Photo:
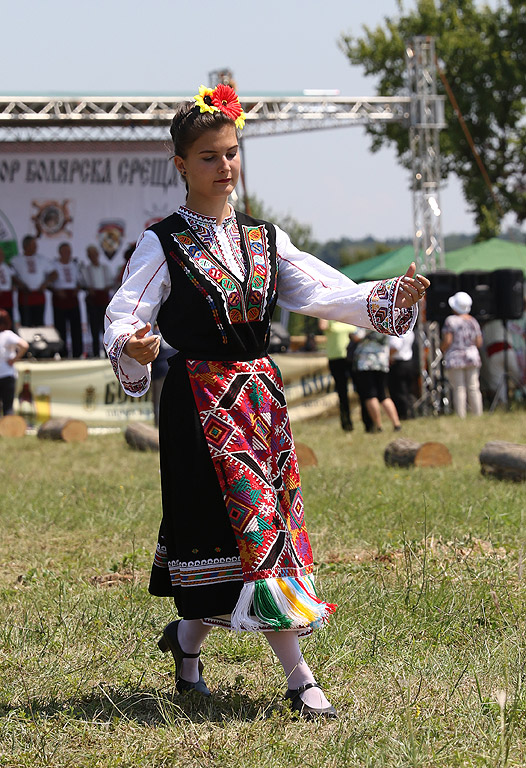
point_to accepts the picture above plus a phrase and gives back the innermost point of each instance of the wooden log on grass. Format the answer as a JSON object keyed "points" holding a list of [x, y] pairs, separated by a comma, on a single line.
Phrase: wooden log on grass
{"points": [[506, 461], [12, 425], [306, 456], [142, 437], [408, 453], [68, 430]]}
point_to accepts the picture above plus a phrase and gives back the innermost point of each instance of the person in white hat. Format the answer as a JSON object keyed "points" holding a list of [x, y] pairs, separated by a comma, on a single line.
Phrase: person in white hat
{"points": [[461, 341]]}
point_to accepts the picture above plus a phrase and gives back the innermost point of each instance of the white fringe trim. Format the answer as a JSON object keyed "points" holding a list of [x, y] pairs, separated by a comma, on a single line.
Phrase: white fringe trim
{"points": [[241, 618]]}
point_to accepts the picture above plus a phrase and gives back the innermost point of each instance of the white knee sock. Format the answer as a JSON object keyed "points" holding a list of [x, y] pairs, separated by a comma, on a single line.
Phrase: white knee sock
{"points": [[285, 645], [191, 634]]}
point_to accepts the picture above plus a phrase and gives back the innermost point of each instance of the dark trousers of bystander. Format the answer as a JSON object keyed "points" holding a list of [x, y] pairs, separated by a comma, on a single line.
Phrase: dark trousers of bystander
{"points": [[71, 317], [7, 395], [95, 314], [339, 368], [31, 316], [399, 382]]}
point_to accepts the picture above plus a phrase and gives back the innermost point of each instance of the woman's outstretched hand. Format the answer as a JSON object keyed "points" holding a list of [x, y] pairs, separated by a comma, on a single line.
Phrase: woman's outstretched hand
{"points": [[412, 288], [141, 347]]}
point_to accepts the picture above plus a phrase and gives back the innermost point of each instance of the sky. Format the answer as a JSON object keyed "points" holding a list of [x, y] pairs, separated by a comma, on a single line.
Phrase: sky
{"points": [[328, 179]]}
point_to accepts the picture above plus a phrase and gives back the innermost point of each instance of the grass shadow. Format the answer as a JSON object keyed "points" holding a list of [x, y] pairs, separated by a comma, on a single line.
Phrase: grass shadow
{"points": [[151, 707]]}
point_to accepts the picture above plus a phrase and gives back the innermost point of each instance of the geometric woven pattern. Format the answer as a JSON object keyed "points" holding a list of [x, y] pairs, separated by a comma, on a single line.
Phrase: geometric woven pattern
{"points": [[244, 418]]}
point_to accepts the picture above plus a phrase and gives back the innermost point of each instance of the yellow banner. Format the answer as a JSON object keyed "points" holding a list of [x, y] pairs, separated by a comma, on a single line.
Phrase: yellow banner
{"points": [[88, 389]]}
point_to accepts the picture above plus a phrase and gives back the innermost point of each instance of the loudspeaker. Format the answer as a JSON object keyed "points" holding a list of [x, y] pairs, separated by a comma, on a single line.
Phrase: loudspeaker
{"points": [[44, 341], [478, 284], [443, 285], [508, 289]]}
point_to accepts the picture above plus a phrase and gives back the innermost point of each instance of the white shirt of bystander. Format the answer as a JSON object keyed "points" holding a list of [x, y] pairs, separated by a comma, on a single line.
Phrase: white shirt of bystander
{"points": [[9, 342], [32, 270]]}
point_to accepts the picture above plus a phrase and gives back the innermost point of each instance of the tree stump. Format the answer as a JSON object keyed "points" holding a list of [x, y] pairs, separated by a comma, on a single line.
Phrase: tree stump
{"points": [[142, 437], [306, 456], [401, 452], [68, 430], [506, 461], [407, 453], [12, 425]]}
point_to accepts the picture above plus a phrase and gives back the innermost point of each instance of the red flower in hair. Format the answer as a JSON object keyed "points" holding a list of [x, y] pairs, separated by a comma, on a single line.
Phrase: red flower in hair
{"points": [[225, 98]]}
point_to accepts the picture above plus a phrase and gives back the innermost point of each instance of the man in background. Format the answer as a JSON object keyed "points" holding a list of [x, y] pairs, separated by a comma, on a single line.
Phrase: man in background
{"points": [[34, 274], [96, 280], [66, 309]]}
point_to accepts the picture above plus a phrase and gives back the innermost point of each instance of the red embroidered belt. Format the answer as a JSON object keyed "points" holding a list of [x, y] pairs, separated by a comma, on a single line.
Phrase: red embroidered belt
{"points": [[497, 346], [31, 298], [67, 299]]}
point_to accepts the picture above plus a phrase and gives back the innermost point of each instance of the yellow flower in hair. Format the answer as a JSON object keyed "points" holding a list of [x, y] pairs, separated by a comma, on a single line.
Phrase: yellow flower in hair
{"points": [[200, 99], [240, 121]]}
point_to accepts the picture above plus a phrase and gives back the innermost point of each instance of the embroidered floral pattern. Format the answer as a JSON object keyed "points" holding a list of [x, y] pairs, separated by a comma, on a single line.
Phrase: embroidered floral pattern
{"points": [[215, 272], [382, 311], [161, 558], [244, 301], [206, 228], [114, 354], [255, 239], [203, 292], [115, 351], [197, 573]]}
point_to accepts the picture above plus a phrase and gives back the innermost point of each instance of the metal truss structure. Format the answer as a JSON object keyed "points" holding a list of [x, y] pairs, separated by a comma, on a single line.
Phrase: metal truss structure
{"points": [[106, 118], [145, 119], [427, 119]]}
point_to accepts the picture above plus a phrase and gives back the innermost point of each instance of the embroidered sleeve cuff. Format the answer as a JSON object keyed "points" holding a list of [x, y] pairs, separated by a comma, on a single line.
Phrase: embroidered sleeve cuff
{"points": [[133, 377], [383, 314]]}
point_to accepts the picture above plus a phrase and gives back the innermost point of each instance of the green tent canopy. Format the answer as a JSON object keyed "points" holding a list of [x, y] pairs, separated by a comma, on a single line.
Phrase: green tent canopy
{"points": [[486, 256], [379, 267]]}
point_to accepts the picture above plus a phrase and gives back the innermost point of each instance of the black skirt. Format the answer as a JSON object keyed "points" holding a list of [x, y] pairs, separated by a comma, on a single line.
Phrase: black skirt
{"points": [[197, 560]]}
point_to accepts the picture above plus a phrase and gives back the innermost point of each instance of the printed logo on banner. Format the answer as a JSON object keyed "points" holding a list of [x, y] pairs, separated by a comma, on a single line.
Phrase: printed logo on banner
{"points": [[8, 242], [52, 217], [110, 236]]}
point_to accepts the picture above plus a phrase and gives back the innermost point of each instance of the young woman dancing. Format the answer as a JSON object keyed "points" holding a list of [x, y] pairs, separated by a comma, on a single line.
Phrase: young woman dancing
{"points": [[233, 550]]}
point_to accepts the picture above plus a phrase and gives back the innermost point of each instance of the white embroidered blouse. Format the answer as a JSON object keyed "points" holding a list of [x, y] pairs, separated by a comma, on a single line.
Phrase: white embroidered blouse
{"points": [[305, 285]]}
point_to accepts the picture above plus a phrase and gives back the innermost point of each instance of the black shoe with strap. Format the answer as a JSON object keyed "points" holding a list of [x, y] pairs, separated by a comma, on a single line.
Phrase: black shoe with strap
{"points": [[304, 710], [169, 642]]}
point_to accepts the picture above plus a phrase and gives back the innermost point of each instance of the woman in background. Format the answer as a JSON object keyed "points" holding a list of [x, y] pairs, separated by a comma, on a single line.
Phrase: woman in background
{"points": [[461, 341], [12, 349]]}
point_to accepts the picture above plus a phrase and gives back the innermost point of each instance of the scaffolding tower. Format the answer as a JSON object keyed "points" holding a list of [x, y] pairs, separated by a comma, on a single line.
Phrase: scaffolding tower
{"points": [[427, 119]]}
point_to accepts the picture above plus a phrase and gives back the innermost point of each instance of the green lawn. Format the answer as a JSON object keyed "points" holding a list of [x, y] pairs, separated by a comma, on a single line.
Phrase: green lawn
{"points": [[424, 658]]}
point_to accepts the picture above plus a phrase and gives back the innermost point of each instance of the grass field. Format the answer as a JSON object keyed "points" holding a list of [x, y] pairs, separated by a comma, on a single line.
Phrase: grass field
{"points": [[424, 659]]}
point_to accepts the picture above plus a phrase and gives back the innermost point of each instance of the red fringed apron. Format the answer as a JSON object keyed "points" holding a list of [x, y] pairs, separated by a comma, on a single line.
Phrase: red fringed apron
{"points": [[244, 417]]}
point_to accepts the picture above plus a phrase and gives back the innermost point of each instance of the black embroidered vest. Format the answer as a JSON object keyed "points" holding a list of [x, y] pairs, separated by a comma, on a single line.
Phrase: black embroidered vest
{"points": [[210, 313]]}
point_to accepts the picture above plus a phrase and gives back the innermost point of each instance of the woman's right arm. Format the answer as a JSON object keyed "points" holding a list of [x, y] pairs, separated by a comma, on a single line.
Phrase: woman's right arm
{"points": [[447, 336], [145, 285]]}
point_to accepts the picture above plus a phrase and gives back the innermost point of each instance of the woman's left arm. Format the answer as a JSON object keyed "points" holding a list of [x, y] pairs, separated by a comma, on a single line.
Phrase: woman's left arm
{"points": [[311, 287], [21, 346]]}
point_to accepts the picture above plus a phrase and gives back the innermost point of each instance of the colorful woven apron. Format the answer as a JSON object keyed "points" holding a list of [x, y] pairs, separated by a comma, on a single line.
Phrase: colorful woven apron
{"points": [[244, 417]]}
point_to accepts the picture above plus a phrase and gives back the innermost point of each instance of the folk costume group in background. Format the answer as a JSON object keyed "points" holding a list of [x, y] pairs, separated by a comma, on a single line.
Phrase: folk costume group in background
{"points": [[233, 549]]}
